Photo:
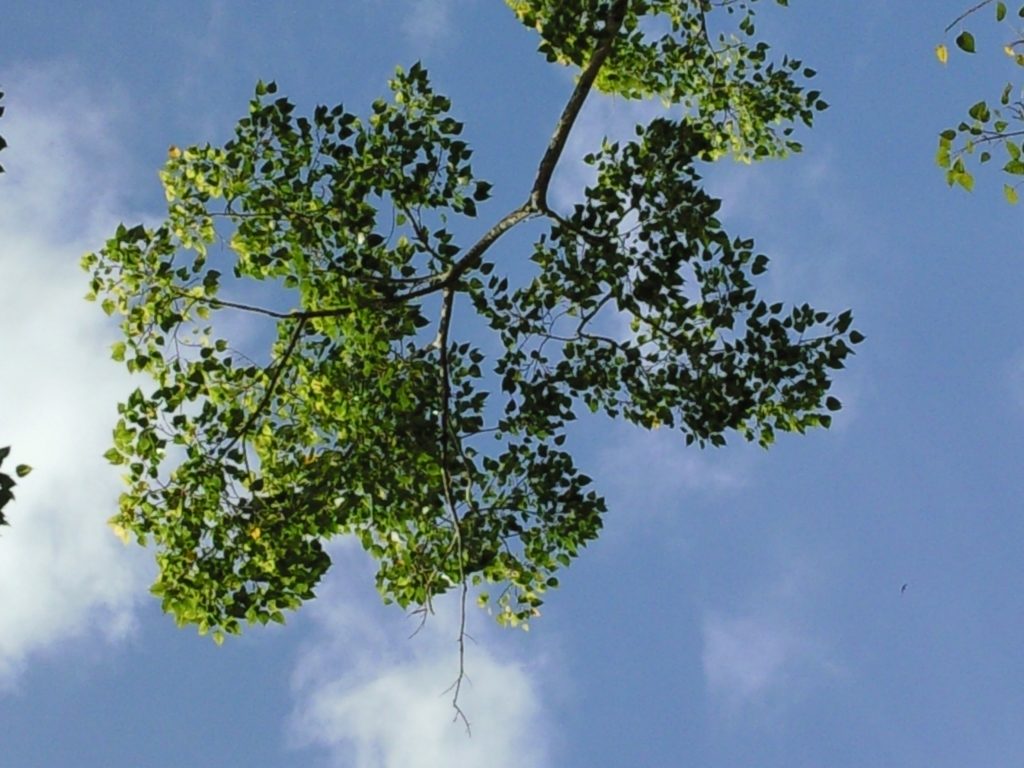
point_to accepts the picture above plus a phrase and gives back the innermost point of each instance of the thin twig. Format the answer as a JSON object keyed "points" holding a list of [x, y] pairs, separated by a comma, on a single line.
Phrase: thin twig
{"points": [[967, 13], [457, 685], [275, 376], [441, 342], [536, 205]]}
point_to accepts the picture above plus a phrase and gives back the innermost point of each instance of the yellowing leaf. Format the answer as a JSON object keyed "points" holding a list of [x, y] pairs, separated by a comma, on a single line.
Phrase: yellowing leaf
{"points": [[942, 53], [173, 152], [255, 534], [121, 532]]}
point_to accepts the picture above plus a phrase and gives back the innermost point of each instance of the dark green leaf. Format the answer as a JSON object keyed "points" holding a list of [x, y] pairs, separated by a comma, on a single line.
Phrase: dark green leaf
{"points": [[965, 41]]}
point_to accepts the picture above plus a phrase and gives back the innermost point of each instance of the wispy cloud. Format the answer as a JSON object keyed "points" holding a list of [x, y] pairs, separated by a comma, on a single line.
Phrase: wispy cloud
{"points": [[428, 22], [653, 469], [61, 571], [762, 656], [745, 658], [376, 698]]}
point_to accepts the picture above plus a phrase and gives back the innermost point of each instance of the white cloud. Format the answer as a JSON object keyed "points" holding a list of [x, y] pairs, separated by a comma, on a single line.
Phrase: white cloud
{"points": [[745, 658], [62, 573], [376, 699], [428, 22], [653, 469], [763, 657]]}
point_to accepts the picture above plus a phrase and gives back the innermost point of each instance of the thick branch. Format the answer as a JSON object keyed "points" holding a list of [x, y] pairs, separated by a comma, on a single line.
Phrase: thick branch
{"points": [[537, 203], [539, 193], [472, 257]]}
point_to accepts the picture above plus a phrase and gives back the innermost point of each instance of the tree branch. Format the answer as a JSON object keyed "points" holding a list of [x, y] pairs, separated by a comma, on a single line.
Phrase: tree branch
{"points": [[539, 193], [537, 203], [474, 254]]}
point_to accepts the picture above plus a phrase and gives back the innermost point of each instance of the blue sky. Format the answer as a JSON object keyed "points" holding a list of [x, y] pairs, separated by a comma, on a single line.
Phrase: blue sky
{"points": [[742, 608]]}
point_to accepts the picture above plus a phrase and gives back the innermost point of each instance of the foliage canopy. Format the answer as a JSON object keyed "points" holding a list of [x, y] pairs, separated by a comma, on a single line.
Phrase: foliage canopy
{"points": [[368, 413]]}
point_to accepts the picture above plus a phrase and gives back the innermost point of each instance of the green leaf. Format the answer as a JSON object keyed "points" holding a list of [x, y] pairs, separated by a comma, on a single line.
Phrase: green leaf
{"points": [[965, 42], [1014, 167], [980, 112], [22, 469], [1000, 11]]}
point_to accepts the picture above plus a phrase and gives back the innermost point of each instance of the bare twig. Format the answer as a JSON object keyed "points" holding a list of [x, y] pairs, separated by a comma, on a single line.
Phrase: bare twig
{"points": [[441, 342], [967, 13], [456, 687]]}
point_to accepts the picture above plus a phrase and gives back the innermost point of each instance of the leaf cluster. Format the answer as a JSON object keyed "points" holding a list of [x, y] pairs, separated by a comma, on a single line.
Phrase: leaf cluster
{"points": [[989, 122], [740, 100], [7, 482]]}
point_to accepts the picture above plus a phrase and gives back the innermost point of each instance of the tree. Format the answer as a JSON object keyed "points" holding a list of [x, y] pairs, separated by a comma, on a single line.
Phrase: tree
{"points": [[367, 412], [990, 122]]}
